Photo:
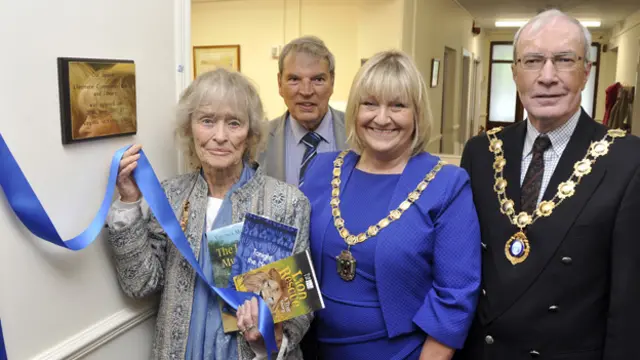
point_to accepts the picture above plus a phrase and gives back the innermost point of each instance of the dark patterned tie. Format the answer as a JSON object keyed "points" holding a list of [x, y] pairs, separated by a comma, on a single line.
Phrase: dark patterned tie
{"points": [[311, 141], [533, 179]]}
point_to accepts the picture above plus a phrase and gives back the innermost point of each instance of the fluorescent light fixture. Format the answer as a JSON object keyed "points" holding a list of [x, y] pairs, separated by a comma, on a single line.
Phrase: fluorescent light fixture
{"points": [[510, 23], [590, 23], [519, 23]]}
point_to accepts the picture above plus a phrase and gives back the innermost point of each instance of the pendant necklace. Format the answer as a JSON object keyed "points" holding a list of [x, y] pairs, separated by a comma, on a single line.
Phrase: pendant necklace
{"points": [[346, 263], [518, 247]]}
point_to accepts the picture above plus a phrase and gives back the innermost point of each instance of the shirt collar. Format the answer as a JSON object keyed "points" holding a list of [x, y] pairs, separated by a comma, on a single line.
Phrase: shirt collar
{"points": [[559, 137], [324, 129]]}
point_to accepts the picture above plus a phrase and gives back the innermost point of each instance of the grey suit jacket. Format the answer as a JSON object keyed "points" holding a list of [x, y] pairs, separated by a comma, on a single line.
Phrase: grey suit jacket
{"points": [[147, 262], [273, 159]]}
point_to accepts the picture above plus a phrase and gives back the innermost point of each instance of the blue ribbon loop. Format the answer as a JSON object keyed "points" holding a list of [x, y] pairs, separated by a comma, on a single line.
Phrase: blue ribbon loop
{"points": [[29, 210]]}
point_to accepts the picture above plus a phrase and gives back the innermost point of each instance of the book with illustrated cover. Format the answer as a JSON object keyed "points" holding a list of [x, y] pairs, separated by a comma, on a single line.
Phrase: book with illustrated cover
{"points": [[223, 245], [262, 241], [288, 286]]}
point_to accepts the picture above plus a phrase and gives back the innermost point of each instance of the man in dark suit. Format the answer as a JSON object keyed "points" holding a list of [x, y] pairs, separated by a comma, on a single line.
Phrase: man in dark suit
{"points": [[558, 197]]}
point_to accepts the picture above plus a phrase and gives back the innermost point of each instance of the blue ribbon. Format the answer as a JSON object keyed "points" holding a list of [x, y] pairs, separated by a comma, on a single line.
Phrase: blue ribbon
{"points": [[3, 350], [29, 210]]}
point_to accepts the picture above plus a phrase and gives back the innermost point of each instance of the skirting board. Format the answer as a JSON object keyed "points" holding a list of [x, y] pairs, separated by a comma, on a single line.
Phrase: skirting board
{"points": [[98, 334]]}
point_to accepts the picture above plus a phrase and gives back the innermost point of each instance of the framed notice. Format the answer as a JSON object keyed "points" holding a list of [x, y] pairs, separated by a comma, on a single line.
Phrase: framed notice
{"points": [[97, 98], [207, 58]]}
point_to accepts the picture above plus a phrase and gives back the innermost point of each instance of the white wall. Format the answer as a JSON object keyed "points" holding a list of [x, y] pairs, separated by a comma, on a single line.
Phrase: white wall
{"points": [[429, 27], [351, 29], [47, 294], [624, 39]]}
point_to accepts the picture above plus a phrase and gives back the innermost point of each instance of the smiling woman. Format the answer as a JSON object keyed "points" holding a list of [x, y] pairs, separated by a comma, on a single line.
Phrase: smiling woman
{"points": [[399, 284], [220, 125]]}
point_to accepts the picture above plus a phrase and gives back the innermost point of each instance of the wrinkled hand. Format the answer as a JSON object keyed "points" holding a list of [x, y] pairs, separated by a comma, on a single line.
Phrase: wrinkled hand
{"points": [[247, 315], [127, 187]]}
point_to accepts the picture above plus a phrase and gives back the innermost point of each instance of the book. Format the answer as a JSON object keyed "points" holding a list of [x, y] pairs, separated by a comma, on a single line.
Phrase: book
{"points": [[262, 241], [289, 286], [223, 245]]}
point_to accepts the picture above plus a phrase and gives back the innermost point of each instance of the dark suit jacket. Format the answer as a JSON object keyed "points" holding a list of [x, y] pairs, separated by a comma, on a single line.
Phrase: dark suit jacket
{"points": [[577, 296]]}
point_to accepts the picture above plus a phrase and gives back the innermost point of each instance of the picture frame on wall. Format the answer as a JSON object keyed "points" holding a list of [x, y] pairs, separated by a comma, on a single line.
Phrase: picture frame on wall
{"points": [[211, 57], [97, 98], [435, 72]]}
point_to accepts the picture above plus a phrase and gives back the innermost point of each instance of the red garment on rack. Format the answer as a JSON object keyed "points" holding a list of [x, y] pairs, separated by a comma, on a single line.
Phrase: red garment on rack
{"points": [[611, 95]]}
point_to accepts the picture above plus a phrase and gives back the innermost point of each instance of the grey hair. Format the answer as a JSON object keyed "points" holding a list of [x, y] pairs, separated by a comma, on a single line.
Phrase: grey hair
{"points": [[537, 22], [310, 45], [214, 89]]}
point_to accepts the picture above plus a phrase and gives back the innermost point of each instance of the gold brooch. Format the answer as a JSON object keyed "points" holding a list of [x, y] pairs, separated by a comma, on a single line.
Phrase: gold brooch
{"points": [[582, 168], [507, 206], [500, 186], [599, 148], [499, 163], [495, 145], [617, 133], [546, 208], [566, 189]]}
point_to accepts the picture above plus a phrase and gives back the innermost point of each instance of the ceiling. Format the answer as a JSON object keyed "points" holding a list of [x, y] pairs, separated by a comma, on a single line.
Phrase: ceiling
{"points": [[609, 12]]}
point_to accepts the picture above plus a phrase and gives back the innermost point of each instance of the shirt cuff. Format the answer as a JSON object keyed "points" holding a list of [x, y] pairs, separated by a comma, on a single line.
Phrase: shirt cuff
{"points": [[261, 354]]}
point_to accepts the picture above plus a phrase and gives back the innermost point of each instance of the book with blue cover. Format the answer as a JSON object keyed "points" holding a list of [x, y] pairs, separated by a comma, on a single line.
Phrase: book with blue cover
{"points": [[262, 242], [223, 245]]}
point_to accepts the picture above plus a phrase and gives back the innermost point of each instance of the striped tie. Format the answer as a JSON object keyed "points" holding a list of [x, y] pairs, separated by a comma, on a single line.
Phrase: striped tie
{"points": [[530, 191], [311, 141]]}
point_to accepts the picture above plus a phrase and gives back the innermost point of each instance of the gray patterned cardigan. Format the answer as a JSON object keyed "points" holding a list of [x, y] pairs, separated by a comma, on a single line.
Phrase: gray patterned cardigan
{"points": [[147, 262]]}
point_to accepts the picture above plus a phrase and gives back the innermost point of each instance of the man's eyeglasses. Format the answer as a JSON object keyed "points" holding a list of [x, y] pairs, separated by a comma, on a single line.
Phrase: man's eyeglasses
{"points": [[562, 62]]}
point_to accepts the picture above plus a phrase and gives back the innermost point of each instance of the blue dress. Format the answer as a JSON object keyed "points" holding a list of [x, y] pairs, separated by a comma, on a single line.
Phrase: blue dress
{"points": [[352, 324]]}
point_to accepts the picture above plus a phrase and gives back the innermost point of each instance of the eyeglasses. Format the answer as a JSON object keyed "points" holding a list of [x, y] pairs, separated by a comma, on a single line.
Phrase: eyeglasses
{"points": [[562, 62]]}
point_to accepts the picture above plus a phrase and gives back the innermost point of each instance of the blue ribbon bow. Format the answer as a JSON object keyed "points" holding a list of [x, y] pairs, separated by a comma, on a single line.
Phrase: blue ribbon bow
{"points": [[29, 210]]}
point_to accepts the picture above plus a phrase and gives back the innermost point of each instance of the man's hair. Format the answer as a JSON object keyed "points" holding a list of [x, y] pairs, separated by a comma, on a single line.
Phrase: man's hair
{"points": [[310, 45], [539, 21]]}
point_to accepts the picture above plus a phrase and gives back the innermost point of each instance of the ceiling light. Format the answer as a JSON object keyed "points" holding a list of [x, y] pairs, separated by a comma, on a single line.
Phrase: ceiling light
{"points": [[590, 23], [512, 23], [520, 23]]}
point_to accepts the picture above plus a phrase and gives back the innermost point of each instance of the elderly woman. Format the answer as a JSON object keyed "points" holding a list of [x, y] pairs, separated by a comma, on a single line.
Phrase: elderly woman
{"points": [[394, 233], [220, 120]]}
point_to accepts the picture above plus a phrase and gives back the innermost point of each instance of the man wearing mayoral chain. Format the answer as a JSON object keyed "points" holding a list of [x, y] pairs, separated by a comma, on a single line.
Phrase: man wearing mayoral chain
{"points": [[558, 197]]}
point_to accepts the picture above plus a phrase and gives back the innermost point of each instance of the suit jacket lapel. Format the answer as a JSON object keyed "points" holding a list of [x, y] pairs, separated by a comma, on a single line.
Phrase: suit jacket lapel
{"points": [[277, 159], [339, 130], [513, 142], [547, 234]]}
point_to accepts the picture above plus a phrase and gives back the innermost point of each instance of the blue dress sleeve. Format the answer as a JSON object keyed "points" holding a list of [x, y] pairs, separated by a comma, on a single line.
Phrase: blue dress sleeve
{"points": [[449, 307]]}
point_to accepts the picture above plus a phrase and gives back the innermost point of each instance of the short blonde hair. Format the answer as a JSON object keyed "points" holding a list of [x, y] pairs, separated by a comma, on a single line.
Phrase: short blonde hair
{"points": [[217, 88], [390, 76]]}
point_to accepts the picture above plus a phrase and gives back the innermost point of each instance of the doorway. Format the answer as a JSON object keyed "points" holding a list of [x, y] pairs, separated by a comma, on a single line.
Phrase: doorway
{"points": [[466, 121], [447, 122]]}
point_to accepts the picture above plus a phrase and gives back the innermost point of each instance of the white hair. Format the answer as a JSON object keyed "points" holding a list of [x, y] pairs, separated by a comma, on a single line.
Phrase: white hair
{"points": [[537, 22]]}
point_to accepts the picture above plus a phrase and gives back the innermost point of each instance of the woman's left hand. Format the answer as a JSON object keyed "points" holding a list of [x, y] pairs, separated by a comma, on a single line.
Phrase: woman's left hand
{"points": [[247, 315]]}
